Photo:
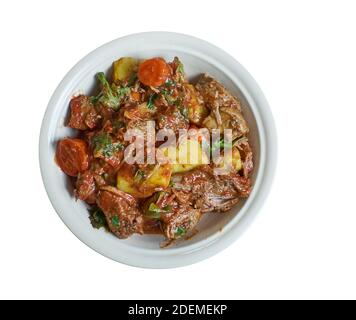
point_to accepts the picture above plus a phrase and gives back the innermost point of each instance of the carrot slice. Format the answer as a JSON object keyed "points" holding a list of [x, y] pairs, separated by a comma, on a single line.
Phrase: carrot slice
{"points": [[72, 156], [153, 72]]}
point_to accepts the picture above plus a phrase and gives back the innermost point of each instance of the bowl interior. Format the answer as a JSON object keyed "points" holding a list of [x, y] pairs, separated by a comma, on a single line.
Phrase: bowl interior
{"points": [[76, 211]]}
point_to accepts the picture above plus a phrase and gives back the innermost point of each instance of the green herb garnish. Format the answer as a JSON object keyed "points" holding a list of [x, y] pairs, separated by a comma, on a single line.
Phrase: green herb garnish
{"points": [[151, 99], [169, 82], [155, 211], [220, 144], [121, 91], [168, 97], [184, 112], [97, 218], [110, 96], [115, 221], [180, 231], [104, 146], [180, 68]]}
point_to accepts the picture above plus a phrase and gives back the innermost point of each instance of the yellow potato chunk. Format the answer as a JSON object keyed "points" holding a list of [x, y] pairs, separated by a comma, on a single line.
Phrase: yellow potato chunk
{"points": [[126, 180], [143, 183], [124, 68], [188, 156], [232, 161], [127, 186], [159, 177]]}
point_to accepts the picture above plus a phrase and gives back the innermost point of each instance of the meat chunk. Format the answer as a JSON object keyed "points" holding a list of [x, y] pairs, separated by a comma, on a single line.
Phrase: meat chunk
{"points": [[106, 147], [121, 212], [83, 115], [246, 157], [208, 192], [134, 111], [225, 109], [175, 217], [173, 119], [181, 220], [104, 174], [215, 94], [85, 187], [142, 127], [241, 184]]}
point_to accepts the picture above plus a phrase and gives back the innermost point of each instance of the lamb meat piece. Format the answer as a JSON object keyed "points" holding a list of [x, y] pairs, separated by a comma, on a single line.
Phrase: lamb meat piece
{"points": [[220, 193], [214, 94], [85, 187], [225, 108], [176, 218], [105, 146], [104, 174], [141, 126], [246, 157], [83, 115], [121, 212], [171, 118], [181, 220], [208, 192]]}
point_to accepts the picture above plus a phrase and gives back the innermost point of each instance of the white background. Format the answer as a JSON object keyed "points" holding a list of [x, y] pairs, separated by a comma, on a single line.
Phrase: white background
{"points": [[303, 242]]}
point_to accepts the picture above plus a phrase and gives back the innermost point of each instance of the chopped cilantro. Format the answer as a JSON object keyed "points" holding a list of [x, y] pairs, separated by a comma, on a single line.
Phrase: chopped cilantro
{"points": [[151, 99], [103, 145], [180, 231], [184, 112], [169, 82], [115, 221], [220, 144], [110, 95], [97, 218], [168, 97]]}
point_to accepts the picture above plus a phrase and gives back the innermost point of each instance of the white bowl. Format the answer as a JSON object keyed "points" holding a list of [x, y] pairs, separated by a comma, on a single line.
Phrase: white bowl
{"points": [[217, 230]]}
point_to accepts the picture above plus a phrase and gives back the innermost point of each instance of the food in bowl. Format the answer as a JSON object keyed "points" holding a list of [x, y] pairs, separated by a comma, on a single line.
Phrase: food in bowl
{"points": [[154, 152]]}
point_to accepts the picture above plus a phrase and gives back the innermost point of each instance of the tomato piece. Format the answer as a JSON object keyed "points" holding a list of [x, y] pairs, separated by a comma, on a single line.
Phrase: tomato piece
{"points": [[153, 72], [72, 156]]}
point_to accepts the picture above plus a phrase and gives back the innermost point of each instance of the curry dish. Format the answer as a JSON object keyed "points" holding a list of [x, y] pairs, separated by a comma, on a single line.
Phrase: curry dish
{"points": [[167, 197]]}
